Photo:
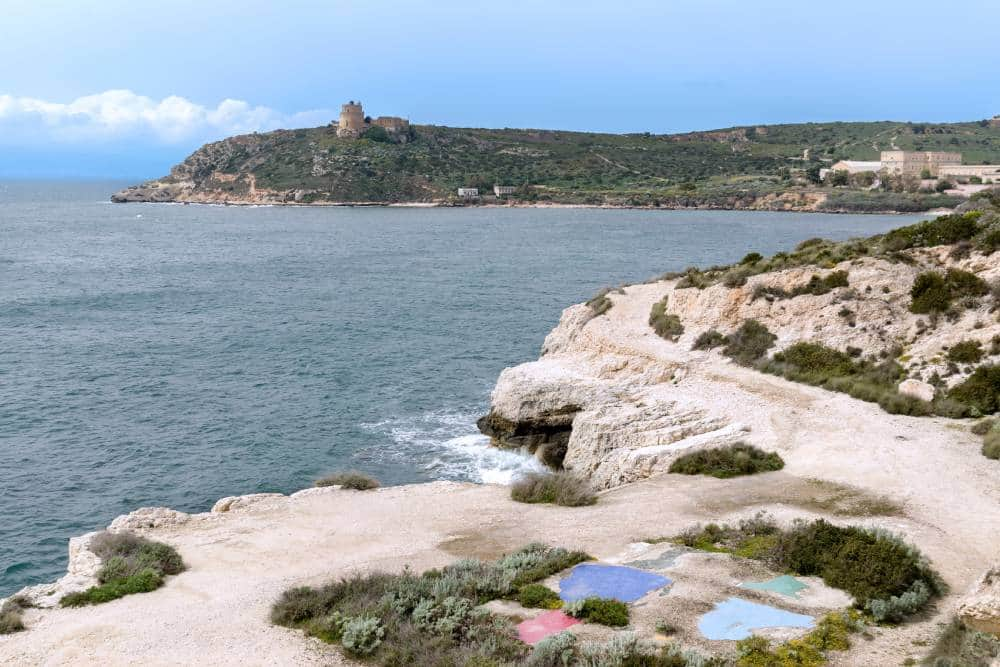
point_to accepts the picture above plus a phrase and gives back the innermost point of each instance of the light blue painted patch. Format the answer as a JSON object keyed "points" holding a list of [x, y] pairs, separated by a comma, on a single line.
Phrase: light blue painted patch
{"points": [[785, 585], [737, 619], [625, 584]]}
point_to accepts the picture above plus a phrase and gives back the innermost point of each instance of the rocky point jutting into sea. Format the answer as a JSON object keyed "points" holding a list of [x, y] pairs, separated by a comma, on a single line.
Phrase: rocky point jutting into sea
{"points": [[864, 368]]}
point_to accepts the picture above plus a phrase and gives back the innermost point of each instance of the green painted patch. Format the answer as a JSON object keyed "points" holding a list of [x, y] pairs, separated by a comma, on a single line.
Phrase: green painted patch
{"points": [[785, 585]]}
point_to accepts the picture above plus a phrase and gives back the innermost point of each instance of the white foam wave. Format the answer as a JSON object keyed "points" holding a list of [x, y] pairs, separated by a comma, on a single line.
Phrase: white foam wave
{"points": [[447, 445]]}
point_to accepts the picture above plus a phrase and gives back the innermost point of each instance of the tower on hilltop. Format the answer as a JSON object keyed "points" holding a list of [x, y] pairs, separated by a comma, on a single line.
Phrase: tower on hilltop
{"points": [[352, 120]]}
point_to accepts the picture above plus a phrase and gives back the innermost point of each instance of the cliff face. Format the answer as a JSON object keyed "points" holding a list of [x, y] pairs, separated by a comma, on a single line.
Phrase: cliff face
{"points": [[626, 403]]}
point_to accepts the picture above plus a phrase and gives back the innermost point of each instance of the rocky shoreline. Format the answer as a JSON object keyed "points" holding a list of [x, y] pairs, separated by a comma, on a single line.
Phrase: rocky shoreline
{"points": [[612, 401]]}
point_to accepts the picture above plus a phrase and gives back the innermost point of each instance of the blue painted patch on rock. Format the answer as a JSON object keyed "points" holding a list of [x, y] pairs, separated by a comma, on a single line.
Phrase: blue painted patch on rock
{"points": [[625, 584], [737, 619], [785, 584]]}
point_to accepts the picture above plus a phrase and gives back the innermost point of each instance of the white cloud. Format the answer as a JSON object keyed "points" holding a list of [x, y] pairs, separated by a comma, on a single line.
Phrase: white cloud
{"points": [[122, 114]]}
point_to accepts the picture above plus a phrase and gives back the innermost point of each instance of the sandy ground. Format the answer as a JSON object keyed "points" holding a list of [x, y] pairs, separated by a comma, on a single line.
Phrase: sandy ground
{"points": [[846, 460]]}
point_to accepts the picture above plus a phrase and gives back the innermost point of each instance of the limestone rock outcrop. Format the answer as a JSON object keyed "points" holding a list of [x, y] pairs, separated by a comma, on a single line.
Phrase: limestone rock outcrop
{"points": [[980, 608]]}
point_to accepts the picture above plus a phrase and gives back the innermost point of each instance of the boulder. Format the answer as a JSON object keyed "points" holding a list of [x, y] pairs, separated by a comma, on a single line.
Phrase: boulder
{"points": [[148, 517], [917, 389]]}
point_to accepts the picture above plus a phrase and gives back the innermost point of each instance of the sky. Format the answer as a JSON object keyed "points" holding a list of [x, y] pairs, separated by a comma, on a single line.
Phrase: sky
{"points": [[118, 88]]}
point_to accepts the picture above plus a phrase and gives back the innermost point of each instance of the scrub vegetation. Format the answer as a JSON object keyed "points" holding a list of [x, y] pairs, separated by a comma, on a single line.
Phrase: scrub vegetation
{"points": [[129, 564], [889, 579], [832, 633], [666, 325], [429, 619], [724, 462], [600, 610], [11, 613], [558, 488], [350, 479]]}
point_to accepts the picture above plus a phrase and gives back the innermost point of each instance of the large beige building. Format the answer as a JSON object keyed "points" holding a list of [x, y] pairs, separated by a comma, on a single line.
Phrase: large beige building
{"points": [[986, 172], [915, 163]]}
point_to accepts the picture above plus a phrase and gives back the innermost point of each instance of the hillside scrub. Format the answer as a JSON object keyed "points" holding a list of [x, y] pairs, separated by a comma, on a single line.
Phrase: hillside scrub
{"points": [[11, 613], [887, 577], [427, 619], [666, 325], [933, 292], [966, 352], [980, 226], [725, 462], [816, 286], [600, 303], [349, 479], [558, 488], [129, 564], [866, 380], [749, 343], [980, 390], [708, 340]]}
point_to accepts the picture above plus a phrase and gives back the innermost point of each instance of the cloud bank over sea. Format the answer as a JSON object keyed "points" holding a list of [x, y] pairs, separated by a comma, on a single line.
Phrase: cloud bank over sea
{"points": [[121, 115]]}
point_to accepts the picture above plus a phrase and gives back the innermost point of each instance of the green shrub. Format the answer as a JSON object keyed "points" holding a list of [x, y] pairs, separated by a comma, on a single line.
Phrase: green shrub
{"points": [[349, 479], [930, 294], [708, 340], [362, 635], [816, 286], [666, 325], [560, 488], [538, 596], [933, 292], [725, 462], [144, 581], [749, 343], [129, 564], [982, 427], [991, 445], [556, 651], [751, 258], [11, 614], [600, 610], [600, 303], [817, 360], [966, 352], [979, 390], [885, 575], [943, 230]]}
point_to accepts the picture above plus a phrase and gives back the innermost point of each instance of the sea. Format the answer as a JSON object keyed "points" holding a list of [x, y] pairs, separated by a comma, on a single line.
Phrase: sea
{"points": [[170, 355]]}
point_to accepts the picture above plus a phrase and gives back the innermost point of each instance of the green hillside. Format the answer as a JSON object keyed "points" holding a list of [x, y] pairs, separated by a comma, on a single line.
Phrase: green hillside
{"points": [[730, 168]]}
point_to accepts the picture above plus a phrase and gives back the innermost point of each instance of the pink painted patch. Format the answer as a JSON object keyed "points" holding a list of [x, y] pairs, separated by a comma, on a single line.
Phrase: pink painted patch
{"points": [[544, 625]]}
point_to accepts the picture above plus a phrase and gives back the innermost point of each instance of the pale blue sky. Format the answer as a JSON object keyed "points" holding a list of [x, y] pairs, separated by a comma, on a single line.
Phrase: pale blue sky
{"points": [[624, 66]]}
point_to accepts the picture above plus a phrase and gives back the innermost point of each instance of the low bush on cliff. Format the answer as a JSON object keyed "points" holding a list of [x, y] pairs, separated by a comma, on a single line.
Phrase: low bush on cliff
{"points": [[350, 479], [816, 286], [724, 462], [980, 390], [863, 379], [666, 325], [708, 340], [428, 619], [934, 292], [11, 613], [966, 352], [958, 645], [749, 344], [600, 303], [129, 564], [991, 445], [559, 488], [886, 576]]}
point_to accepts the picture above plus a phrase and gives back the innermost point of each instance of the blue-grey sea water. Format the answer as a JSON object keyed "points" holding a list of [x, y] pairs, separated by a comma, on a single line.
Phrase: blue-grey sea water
{"points": [[171, 355]]}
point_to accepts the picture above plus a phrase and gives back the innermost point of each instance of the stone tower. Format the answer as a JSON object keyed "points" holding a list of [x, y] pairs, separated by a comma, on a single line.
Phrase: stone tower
{"points": [[352, 120]]}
